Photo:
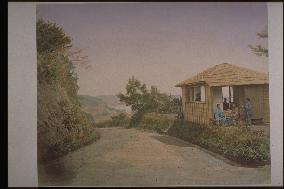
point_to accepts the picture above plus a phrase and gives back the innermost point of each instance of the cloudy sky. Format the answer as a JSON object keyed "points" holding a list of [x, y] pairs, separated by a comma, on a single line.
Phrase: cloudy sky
{"points": [[159, 43]]}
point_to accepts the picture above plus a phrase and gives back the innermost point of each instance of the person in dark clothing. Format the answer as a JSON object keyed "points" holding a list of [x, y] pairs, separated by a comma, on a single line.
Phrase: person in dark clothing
{"points": [[248, 111], [226, 105]]}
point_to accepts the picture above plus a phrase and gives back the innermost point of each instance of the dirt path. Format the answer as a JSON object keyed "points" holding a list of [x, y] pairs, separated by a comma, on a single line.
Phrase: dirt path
{"points": [[129, 157]]}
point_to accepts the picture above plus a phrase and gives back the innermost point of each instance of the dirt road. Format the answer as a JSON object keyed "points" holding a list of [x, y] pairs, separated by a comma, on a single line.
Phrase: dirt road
{"points": [[129, 157]]}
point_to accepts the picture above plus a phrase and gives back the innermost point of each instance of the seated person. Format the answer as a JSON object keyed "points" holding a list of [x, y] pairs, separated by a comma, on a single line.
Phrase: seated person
{"points": [[235, 114], [235, 110], [219, 115]]}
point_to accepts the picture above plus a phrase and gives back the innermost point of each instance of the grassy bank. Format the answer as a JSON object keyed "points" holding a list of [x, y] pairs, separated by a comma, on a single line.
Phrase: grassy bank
{"points": [[235, 143]]}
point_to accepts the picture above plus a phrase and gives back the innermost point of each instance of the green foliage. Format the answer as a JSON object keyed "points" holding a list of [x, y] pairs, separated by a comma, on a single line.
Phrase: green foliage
{"points": [[236, 143], [62, 126], [144, 101], [90, 117], [159, 123], [51, 38], [263, 33], [135, 119], [258, 49], [57, 70], [120, 120], [104, 124]]}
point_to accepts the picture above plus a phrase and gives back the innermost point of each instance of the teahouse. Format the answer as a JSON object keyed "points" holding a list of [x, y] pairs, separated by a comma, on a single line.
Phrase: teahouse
{"points": [[202, 92]]}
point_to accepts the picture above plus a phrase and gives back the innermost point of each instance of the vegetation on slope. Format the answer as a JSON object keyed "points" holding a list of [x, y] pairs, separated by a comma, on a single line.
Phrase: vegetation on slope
{"points": [[62, 126], [239, 144]]}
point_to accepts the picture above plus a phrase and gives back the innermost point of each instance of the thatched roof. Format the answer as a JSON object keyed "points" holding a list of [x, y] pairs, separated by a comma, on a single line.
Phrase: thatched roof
{"points": [[226, 74]]}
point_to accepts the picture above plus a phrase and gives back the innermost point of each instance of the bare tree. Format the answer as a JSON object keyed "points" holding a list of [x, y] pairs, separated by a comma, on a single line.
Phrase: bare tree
{"points": [[78, 58]]}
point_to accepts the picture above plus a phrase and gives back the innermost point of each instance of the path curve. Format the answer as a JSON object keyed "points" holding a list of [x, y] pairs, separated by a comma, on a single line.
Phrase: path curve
{"points": [[130, 157]]}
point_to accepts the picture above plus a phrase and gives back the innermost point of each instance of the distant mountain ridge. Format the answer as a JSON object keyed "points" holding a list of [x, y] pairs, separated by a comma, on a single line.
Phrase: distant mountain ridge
{"points": [[86, 100], [100, 107], [113, 102], [110, 99]]}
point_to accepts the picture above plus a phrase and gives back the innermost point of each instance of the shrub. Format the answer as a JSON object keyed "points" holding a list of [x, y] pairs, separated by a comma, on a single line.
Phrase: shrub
{"points": [[143, 100], [90, 117], [156, 122], [135, 119], [120, 120], [104, 124], [236, 143], [62, 126]]}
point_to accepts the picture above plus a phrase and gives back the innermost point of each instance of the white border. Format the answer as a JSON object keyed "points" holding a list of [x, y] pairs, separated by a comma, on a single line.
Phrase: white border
{"points": [[22, 159], [275, 44], [22, 95]]}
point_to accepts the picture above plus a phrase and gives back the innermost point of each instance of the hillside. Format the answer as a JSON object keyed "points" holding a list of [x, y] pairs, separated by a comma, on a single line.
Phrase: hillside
{"points": [[62, 126], [100, 107], [90, 101], [110, 100]]}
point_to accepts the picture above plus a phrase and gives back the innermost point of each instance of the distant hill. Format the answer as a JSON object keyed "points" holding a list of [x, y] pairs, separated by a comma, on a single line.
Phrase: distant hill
{"points": [[86, 100], [110, 100], [113, 102], [100, 107]]}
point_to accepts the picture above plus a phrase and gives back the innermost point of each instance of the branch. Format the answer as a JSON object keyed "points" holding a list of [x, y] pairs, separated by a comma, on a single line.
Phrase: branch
{"points": [[259, 50], [263, 33], [77, 58]]}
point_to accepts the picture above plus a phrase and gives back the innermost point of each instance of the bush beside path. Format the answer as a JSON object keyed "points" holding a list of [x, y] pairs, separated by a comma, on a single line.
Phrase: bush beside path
{"points": [[131, 157]]}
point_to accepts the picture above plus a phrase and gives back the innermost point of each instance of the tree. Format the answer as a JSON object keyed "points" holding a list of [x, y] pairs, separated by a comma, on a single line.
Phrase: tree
{"points": [[51, 38], [54, 64], [258, 49], [144, 101], [56, 58]]}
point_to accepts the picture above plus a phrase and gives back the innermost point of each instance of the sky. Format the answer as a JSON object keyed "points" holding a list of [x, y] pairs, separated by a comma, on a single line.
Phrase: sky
{"points": [[160, 44]]}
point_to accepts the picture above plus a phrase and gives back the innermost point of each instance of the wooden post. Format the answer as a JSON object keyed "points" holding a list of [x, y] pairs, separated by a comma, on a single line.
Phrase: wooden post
{"points": [[229, 96]]}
